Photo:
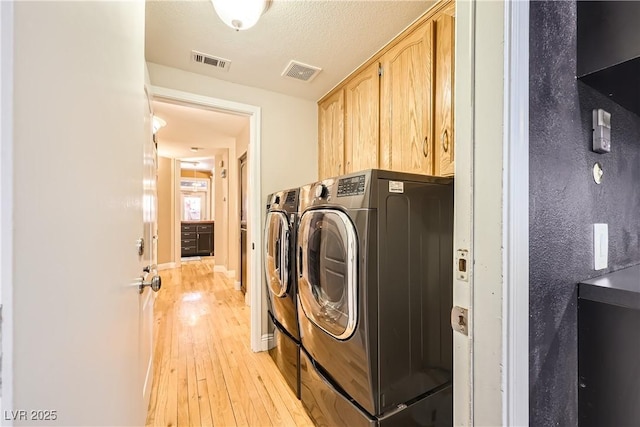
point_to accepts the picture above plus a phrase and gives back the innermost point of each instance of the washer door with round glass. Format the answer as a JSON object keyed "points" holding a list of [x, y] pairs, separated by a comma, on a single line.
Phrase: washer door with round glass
{"points": [[276, 253], [327, 282]]}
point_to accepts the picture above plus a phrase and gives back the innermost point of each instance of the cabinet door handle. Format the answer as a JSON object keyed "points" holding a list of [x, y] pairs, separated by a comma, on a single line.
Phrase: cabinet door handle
{"points": [[425, 146], [444, 139]]}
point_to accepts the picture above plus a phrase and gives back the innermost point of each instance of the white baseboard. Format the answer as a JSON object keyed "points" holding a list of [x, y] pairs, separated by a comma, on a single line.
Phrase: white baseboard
{"points": [[231, 274], [238, 286], [166, 266], [267, 342], [219, 269]]}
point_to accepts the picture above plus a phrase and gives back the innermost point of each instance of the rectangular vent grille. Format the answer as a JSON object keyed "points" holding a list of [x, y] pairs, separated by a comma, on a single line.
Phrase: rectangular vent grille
{"points": [[219, 63], [299, 71]]}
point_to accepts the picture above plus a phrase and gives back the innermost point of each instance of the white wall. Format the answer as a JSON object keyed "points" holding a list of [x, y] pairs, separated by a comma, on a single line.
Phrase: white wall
{"points": [[77, 66], [242, 141], [221, 227], [289, 125]]}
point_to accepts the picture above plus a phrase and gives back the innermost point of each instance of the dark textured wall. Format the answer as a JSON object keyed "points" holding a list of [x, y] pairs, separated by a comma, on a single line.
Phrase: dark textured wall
{"points": [[565, 202]]}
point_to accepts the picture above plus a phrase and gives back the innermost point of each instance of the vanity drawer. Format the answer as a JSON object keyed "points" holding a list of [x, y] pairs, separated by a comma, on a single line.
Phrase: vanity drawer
{"points": [[188, 242], [186, 235], [204, 228], [188, 227]]}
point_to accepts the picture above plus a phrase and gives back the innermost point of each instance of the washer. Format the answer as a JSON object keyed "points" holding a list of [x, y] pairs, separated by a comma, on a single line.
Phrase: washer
{"points": [[279, 266], [375, 275]]}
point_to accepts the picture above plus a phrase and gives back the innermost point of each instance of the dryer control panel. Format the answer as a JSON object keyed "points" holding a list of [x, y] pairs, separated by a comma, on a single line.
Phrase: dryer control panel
{"points": [[353, 186]]}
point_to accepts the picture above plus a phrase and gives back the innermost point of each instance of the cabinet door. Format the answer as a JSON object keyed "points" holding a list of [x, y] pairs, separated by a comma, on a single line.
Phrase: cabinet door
{"points": [[362, 117], [406, 104], [444, 143], [205, 244], [331, 136]]}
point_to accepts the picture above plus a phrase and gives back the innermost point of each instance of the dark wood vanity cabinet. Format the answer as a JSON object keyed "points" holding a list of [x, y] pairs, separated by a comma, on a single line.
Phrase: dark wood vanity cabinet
{"points": [[197, 238]]}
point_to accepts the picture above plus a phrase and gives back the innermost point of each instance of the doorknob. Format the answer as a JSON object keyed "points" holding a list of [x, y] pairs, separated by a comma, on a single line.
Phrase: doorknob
{"points": [[155, 284]]}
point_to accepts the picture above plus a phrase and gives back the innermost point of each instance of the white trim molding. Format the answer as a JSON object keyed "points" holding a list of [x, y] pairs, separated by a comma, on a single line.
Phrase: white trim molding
{"points": [[166, 266], [238, 285], [6, 203], [231, 274], [220, 269], [267, 342], [254, 155], [516, 215]]}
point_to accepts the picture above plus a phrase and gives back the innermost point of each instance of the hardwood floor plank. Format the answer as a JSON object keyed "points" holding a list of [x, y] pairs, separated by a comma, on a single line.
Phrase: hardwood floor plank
{"points": [[205, 409], [192, 389], [204, 370], [183, 393]]}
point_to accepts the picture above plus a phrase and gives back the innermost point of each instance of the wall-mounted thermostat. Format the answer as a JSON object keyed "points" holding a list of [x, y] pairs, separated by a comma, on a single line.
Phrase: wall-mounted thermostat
{"points": [[601, 131]]}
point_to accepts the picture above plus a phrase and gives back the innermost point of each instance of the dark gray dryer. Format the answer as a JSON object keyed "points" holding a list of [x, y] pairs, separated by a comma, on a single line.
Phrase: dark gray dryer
{"points": [[375, 274], [279, 265]]}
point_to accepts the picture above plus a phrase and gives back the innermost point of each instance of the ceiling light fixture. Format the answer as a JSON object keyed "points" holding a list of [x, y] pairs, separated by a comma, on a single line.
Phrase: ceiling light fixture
{"points": [[158, 123], [240, 14]]}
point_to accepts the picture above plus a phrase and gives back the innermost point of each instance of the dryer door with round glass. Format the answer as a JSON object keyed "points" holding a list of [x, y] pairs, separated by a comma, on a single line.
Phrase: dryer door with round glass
{"points": [[276, 253], [327, 270]]}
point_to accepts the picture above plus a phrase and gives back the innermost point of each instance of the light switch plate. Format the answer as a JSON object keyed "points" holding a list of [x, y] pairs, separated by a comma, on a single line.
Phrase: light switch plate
{"points": [[600, 246], [601, 131]]}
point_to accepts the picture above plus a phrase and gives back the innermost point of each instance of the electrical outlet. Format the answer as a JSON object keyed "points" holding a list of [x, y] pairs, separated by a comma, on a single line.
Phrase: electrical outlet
{"points": [[600, 246]]}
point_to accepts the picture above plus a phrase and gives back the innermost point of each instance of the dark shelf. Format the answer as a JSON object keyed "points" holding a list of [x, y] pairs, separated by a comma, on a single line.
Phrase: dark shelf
{"points": [[609, 50]]}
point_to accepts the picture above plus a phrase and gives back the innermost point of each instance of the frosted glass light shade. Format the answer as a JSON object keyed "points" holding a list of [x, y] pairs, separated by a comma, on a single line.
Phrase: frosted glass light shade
{"points": [[240, 14]]}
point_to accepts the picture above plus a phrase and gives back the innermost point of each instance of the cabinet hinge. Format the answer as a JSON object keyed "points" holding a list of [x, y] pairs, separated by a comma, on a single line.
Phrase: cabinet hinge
{"points": [[380, 71]]}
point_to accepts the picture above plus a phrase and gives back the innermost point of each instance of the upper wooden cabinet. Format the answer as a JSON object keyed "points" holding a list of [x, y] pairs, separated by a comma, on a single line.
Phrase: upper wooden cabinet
{"points": [[331, 135], [362, 106], [443, 122], [406, 104], [396, 111]]}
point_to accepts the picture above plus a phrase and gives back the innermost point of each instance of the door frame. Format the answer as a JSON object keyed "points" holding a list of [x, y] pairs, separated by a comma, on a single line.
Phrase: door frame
{"points": [[491, 364], [253, 155], [516, 212], [244, 158], [6, 203]]}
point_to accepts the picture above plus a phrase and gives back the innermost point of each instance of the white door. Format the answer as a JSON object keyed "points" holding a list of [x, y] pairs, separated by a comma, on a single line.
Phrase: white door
{"points": [[80, 121], [150, 253]]}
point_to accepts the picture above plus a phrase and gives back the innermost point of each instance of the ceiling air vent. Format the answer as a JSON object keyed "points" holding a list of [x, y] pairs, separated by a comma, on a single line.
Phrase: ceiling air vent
{"points": [[299, 71], [202, 58]]}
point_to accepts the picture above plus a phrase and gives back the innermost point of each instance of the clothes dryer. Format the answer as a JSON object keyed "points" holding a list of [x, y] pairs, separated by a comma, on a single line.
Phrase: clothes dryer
{"points": [[279, 265], [375, 275]]}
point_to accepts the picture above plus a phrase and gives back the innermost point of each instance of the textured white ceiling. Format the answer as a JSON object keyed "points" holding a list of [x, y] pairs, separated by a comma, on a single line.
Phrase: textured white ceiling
{"points": [[194, 127], [198, 163], [335, 35]]}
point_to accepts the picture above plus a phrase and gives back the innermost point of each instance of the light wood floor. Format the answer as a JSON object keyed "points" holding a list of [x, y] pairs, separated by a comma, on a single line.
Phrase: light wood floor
{"points": [[204, 372]]}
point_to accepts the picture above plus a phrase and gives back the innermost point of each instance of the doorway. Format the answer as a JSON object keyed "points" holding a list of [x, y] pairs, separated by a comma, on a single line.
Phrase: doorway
{"points": [[254, 237]]}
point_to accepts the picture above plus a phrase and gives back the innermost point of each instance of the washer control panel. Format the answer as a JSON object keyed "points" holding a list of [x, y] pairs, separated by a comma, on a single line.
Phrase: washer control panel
{"points": [[353, 186]]}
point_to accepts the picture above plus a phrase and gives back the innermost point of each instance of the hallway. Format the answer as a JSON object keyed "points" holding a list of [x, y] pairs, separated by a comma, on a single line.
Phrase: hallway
{"points": [[204, 371]]}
